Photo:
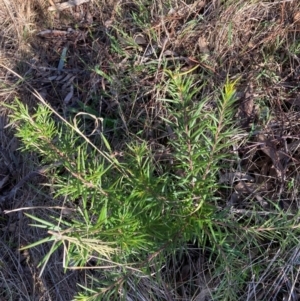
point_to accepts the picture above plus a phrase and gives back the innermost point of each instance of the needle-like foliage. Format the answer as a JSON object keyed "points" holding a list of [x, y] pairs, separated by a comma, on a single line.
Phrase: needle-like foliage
{"points": [[126, 208]]}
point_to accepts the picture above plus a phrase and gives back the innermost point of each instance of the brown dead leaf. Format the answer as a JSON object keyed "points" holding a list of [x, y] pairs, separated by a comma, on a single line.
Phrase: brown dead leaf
{"points": [[140, 39], [65, 5], [203, 45], [253, 189], [269, 148], [250, 188], [69, 95]]}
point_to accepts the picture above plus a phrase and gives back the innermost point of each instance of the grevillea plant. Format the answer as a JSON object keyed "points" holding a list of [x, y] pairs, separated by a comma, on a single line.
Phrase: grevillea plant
{"points": [[126, 212]]}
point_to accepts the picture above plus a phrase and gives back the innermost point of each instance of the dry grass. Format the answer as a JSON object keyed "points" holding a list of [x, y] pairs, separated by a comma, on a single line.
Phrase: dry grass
{"points": [[255, 41]]}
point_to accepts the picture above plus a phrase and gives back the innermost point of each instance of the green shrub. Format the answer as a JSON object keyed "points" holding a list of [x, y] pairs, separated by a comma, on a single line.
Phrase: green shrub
{"points": [[132, 206]]}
